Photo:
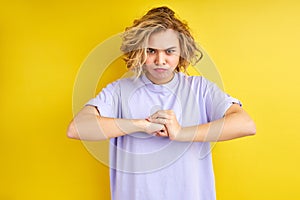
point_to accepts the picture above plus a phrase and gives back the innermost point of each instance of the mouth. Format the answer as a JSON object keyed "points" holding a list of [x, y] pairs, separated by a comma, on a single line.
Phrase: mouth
{"points": [[160, 69]]}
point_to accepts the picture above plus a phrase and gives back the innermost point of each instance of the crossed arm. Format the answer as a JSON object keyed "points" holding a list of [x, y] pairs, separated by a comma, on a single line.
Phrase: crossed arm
{"points": [[89, 125]]}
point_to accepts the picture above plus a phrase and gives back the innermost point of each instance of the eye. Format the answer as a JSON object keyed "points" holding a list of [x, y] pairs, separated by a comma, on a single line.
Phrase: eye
{"points": [[170, 51], [150, 51]]}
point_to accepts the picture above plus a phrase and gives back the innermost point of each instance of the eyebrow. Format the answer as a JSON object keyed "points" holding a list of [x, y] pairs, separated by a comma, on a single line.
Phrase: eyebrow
{"points": [[162, 49]]}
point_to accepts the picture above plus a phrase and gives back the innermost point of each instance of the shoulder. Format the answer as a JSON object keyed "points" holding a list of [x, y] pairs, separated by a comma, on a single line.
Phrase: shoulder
{"points": [[193, 81], [119, 82], [122, 85]]}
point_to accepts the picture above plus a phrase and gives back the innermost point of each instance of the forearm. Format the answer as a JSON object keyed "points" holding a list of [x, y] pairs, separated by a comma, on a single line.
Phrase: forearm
{"points": [[93, 127], [232, 126]]}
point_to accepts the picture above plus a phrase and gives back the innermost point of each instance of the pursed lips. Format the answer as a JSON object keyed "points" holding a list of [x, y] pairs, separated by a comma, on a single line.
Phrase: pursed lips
{"points": [[160, 69]]}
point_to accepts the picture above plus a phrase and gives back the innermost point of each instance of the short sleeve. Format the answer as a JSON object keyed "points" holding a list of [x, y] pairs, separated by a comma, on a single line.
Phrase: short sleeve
{"points": [[216, 100], [106, 101]]}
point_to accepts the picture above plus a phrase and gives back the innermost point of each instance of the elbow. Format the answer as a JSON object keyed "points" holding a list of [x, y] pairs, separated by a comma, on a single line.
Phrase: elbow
{"points": [[72, 132], [251, 128]]}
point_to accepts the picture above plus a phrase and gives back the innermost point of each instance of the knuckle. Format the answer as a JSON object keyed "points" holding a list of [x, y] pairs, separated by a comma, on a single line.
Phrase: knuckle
{"points": [[172, 137]]}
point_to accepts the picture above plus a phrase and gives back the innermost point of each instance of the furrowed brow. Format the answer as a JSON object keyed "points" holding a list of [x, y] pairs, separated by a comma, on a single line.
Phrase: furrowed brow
{"points": [[171, 48], [153, 48]]}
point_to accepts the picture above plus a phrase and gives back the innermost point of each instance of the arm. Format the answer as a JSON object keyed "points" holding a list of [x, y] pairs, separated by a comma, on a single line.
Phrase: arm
{"points": [[236, 123], [89, 125]]}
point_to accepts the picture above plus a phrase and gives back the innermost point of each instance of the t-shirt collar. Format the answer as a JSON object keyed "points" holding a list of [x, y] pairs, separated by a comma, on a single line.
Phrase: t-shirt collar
{"points": [[162, 87]]}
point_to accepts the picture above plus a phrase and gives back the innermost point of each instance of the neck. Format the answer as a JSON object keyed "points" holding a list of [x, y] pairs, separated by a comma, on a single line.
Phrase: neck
{"points": [[160, 81]]}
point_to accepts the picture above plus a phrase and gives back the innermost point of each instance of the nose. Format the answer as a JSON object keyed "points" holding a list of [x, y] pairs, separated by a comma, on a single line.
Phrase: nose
{"points": [[160, 58]]}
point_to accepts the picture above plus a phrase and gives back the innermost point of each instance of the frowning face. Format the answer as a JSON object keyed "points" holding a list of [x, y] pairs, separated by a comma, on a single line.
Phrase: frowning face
{"points": [[163, 55]]}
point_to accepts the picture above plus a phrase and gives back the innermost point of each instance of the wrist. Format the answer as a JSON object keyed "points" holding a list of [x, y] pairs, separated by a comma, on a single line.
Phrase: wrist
{"points": [[185, 134], [141, 125], [178, 136], [128, 126]]}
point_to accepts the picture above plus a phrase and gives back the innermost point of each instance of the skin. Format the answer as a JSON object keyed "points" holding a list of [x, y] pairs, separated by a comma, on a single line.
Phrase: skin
{"points": [[162, 58]]}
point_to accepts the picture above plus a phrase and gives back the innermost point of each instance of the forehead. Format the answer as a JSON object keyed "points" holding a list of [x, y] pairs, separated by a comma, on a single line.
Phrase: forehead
{"points": [[163, 39]]}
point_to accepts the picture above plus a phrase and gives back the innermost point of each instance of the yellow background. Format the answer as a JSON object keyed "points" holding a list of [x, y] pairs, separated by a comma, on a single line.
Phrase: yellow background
{"points": [[255, 45]]}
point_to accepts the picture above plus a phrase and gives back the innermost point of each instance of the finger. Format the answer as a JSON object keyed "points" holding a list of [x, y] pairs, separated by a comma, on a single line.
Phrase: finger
{"points": [[162, 133], [159, 120], [154, 127], [160, 114]]}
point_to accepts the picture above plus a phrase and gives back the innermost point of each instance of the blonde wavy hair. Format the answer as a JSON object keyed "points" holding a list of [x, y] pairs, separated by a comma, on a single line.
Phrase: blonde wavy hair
{"points": [[135, 39]]}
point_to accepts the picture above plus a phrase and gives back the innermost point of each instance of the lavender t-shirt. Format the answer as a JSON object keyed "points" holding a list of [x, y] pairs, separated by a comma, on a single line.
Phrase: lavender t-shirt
{"points": [[145, 167]]}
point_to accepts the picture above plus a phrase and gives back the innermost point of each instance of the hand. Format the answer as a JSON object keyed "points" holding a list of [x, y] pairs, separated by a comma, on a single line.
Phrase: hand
{"points": [[155, 129], [169, 120]]}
